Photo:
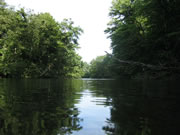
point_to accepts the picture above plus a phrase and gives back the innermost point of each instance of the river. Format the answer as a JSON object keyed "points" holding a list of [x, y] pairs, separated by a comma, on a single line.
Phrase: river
{"points": [[89, 107]]}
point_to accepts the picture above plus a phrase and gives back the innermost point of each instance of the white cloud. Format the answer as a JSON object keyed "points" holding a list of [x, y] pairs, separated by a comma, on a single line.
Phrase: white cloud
{"points": [[90, 15]]}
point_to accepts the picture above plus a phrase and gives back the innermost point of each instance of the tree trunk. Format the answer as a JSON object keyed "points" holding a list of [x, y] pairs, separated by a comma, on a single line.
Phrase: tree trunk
{"points": [[154, 67]]}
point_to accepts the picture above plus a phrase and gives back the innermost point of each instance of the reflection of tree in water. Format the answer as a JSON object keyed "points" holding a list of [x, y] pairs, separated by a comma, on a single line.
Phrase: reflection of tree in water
{"points": [[125, 119], [41, 107], [139, 109]]}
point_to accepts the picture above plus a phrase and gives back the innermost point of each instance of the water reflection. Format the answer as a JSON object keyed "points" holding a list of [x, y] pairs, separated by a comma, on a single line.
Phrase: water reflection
{"points": [[38, 107], [144, 108], [93, 112], [89, 107]]}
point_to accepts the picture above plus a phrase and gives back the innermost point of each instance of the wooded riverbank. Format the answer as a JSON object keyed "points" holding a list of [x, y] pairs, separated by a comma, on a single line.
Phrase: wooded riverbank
{"points": [[144, 40]]}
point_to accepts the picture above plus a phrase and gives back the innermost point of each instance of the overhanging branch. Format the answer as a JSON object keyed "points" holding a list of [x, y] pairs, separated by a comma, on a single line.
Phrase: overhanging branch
{"points": [[143, 64]]}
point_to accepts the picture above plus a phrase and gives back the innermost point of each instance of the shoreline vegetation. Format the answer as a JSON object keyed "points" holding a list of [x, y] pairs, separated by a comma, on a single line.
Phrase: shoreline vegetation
{"points": [[35, 45], [144, 40]]}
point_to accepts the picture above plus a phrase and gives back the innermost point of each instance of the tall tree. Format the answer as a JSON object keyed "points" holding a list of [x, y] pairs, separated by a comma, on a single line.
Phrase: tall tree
{"points": [[144, 31], [35, 45]]}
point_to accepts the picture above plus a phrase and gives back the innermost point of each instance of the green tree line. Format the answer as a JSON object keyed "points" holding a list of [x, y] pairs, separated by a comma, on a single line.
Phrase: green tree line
{"points": [[36, 45], [145, 31], [100, 67], [142, 31], [145, 41]]}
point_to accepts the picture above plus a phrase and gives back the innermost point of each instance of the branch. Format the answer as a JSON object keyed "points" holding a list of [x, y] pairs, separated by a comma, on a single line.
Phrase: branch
{"points": [[46, 70], [143, 64]]}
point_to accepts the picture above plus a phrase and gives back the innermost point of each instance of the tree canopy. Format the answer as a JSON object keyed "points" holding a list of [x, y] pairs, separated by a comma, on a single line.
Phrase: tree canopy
{"points": [[141, 31], [100, 67], [145, 31], [36, 45]]}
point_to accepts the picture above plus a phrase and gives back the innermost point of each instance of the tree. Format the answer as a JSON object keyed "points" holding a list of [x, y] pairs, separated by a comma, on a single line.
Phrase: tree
{"points": [[35, 45], [100, 67], [86, 70], [144, 31]]}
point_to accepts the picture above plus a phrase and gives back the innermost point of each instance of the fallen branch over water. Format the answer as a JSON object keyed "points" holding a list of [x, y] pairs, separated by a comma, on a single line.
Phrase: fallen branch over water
{"points": [[46, 70], [143, 64]]}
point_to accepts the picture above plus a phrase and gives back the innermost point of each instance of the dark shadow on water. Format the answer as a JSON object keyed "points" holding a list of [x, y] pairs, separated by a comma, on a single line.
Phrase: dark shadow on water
{"points": [[143, 108], [49, 106], [38, 107]]}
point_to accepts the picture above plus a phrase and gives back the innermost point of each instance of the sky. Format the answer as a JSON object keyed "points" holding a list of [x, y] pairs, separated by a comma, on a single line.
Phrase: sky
{"points": [[90, 15]]}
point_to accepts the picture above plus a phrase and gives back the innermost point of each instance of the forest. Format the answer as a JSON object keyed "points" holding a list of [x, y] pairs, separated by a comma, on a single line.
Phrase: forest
{"points": [[35, 45], [144, 41]]}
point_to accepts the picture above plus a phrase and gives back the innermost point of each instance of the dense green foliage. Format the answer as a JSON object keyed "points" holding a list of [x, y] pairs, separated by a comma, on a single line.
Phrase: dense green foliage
{"points": [[35, 45], [145, 31], [98, 68], [86, 68]]}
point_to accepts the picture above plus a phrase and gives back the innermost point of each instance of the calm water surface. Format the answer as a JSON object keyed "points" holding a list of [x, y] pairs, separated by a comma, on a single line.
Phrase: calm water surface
{"points": [[89, 107]]}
